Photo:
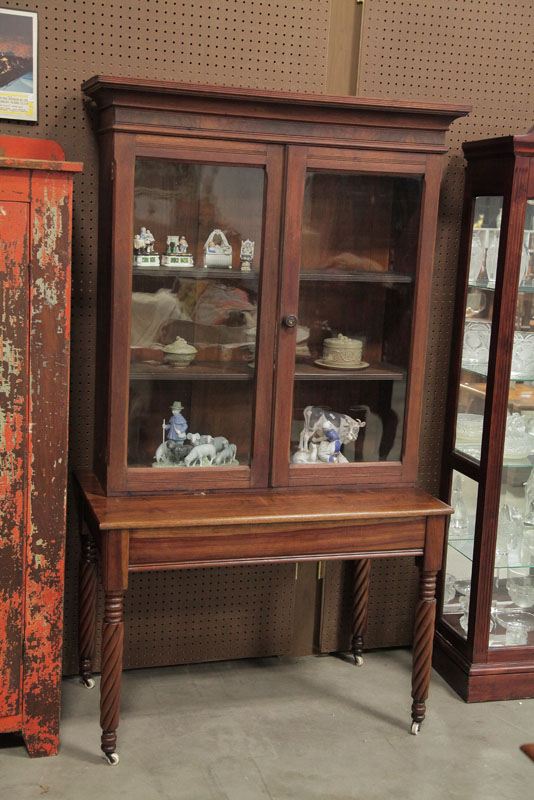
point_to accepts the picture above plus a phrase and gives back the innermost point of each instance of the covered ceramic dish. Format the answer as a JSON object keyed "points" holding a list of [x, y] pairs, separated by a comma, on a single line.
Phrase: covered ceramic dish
{"points": [[342, 351], [179, 352]]}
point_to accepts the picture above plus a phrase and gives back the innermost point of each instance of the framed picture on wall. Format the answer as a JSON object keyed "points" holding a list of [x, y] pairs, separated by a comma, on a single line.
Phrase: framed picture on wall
{"points": [[18, 64]]}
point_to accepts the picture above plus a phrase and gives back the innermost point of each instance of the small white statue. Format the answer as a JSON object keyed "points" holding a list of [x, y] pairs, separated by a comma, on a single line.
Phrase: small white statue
{"points": [[144, 253], [246, 255]]}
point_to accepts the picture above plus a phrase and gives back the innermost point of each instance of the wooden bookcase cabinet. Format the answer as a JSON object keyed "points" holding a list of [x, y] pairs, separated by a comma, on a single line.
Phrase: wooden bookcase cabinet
{"points": [[484, 645], [340, 197]]}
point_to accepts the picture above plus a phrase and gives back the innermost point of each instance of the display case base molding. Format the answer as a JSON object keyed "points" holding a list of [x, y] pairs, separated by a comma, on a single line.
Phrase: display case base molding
{"points": [[476, 683], [144, 533]]}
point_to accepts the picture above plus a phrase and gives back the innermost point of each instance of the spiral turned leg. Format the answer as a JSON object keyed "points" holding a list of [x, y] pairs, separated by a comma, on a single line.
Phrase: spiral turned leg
{"points": [[422, 647], [360, 598], [110, 683], [87, 610]]}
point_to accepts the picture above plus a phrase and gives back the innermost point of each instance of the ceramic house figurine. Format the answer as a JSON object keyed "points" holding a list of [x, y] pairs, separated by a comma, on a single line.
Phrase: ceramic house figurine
{"points": [[246, 255], [217, 251], [144, 253]]}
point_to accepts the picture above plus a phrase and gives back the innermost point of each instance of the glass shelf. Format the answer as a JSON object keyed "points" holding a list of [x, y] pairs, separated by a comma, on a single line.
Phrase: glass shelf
{"points": [[524, 288], [473, 452], [482, 370], [516, 559]]}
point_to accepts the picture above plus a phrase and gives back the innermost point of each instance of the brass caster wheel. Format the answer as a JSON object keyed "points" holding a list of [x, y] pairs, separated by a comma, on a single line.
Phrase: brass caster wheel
{"points": [[416, 727], [112, 758], [89, 683], [358, 660]]}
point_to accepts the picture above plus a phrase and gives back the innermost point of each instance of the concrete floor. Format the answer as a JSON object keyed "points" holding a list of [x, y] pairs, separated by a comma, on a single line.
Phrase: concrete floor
{"points": [[300, 728]]}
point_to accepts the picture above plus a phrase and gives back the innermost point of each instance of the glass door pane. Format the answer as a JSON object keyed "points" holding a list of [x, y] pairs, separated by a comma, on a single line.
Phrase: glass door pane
{"points": [[477, 324], [196, 263], [459, 557], [513, 592], [357, 275]]}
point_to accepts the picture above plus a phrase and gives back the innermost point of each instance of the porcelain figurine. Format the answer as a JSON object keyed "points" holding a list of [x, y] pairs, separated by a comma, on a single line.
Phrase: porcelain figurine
{"points": [[217, 251], [246, 255], [323, 435], [144, 253], [182, 449], [177, 254]]}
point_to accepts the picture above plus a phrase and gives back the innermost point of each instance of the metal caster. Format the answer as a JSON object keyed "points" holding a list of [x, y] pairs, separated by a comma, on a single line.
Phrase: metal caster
{"points": [[112, 758], [416, 727], [89, 683], [358, 661]]}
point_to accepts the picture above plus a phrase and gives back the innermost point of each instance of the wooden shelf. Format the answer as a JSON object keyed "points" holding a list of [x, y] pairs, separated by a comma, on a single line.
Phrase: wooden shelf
{"points": [[354, 277], [374, 372], [305, 275], [200, 273], [201, 371]]}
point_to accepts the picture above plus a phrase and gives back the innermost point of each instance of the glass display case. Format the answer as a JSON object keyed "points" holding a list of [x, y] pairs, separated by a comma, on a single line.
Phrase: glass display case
{"points": [[485, 639], [264, 286]]}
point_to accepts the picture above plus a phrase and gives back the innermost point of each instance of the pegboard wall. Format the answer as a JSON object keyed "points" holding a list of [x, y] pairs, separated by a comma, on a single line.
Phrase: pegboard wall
{"points": [[391, 607], [458, 51], [195, 615]]}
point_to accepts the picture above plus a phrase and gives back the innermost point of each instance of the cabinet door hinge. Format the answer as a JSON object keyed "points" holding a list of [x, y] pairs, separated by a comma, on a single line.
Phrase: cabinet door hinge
{"points": [[112, 172], [320, 570]]}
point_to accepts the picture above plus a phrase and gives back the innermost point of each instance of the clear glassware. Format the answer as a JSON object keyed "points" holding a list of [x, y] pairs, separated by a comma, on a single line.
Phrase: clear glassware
{"points": [[458, 526], [508, 534], [520, 587], [449, 590], [529, 494], [518, 624]]}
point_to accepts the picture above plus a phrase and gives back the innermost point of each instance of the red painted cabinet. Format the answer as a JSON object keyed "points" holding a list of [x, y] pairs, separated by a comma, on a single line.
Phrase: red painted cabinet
{"points": [[35, 246]]}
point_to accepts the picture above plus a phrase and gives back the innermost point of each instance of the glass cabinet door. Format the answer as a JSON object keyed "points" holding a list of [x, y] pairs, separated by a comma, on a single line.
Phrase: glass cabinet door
{"points": [[512, 607], [196, 264], [357, 276]]}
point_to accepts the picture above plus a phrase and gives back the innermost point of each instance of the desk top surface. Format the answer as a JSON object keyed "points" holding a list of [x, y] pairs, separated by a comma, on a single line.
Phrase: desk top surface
{"points": [[241, 507]]}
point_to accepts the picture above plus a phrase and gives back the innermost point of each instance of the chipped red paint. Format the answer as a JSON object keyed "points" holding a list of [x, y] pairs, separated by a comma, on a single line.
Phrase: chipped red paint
{"points": [[35, 245]]}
